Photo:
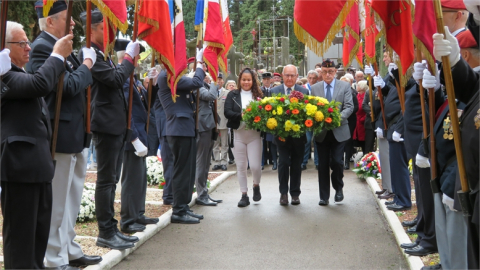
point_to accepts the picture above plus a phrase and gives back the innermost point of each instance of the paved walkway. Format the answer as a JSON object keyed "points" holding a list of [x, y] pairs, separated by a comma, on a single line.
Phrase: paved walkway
{"points": [[265, 235]]}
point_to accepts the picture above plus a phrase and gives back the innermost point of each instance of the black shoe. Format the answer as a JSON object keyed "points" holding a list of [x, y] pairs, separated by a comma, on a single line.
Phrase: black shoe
{"points": [[263, 167], [128, 238], [323, 202], [114, 242], [304, 167], [231, 161], [217, 201], [410, 223], [436, 266], [419, 251], [133, 228], [146, 220], [389, 202], [274, 167], [85, 260], [224, 167], [380, 192], [256, 194], [395, 207], [339, 196], [216, 167], [244, 201], [206, 202], [412, 229], [347, 165], [184, 219], [409, 245], [167, 202], [192, 214]]}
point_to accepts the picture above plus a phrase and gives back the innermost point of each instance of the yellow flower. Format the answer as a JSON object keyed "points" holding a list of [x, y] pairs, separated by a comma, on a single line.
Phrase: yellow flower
{"points": [[279, 110], [274, 112], [311, 97], [318, 116], [322, 100], [296, 128], [288, 124], [271, 123], [311, 109]]}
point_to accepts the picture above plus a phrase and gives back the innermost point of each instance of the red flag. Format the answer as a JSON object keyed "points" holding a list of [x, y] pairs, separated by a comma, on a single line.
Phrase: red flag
{"points": [[319, 36], [109, 35], [114, 16], [154, 28], [180, 45], [213, 37], [424, 26], [351, 35], [227, 34], [397, 17], [371, 33]]}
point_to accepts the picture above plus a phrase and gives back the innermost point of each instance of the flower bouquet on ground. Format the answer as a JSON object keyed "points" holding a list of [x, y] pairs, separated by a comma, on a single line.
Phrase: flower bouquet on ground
{"points": [[292, 115], [155, 172], [368, 166], [87, 206]]}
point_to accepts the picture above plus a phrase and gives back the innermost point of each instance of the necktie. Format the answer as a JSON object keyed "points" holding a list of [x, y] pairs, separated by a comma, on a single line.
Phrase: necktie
{"points": [[289, 90], [329, 94]]}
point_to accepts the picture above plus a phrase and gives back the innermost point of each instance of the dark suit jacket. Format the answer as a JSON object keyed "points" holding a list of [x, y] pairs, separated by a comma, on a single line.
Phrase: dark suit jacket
{"points": [[180, 114], [366, 108], [26, 128], [206, 121], [352, 119], [109, 108], [71, 129], [160, 117], [393, 112]]}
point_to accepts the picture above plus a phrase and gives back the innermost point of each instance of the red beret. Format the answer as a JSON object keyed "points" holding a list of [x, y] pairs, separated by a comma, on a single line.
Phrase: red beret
{"points": [[453, 4], [466, 40], [191, 60], [277, 74]]}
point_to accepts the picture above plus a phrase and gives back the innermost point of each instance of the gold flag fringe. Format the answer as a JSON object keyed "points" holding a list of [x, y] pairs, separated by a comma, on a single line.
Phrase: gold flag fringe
{"points": [[48, 6], [321, 47], [113, 18], [211, 69], [426, 53], [148, 21]]}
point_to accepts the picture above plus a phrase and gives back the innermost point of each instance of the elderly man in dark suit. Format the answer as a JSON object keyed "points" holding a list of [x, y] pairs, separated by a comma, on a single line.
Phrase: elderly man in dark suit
{"points": [[331, 144], [292, 149], [109, 126], [180, 131], [72, 142], [27, 167]]}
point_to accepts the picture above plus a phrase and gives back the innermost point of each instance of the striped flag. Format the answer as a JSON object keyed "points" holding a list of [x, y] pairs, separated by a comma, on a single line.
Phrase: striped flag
{"points": [[180, 44], [214, 44]]}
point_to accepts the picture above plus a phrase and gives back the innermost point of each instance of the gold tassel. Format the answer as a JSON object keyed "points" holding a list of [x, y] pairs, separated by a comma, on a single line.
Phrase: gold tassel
{"points": [[113, 18]]}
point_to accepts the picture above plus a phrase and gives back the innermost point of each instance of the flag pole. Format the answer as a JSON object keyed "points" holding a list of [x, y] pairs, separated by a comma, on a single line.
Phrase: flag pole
{"points": [[370, 91], [130, 93], [422, 97], [447, 73], [58, 102], [380, 96], [3, 25], [150, 85]]}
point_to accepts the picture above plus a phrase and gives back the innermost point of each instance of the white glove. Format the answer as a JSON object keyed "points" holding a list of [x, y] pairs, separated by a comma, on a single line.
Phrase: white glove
{"points": [[152, 73], [418, 70], [397, 137], [5, 61], [378, 81], [369, 70], [473, 6], [421, 161], [199, 57], [379, 132], [391, 66], [446, 47], [140, 148], [133, 49], [448, 201], [89, 53], [430, 81]]}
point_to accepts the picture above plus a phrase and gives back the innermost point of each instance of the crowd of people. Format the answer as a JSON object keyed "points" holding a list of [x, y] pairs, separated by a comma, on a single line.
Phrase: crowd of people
{"points": [[202, 126]]}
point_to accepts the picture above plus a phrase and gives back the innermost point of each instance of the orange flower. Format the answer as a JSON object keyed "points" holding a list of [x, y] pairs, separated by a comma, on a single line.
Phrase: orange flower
{"points": [[249, 109], [295, 111], [257, 119], [308, 123], [320, 104], [268, 107], [294, 100], [328, 120], [281, 139]]}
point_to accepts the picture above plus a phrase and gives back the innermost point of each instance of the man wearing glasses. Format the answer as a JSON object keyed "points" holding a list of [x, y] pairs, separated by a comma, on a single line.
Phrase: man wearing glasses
{"points": [[331, 144]]}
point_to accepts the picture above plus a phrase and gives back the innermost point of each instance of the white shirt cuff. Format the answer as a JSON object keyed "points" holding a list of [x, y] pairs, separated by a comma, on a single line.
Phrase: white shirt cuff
{"points": [[199, 65], [58, 56]]}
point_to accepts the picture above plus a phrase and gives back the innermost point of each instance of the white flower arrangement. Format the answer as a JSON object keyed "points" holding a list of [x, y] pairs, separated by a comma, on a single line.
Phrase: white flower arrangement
{"points": [[154, 171], [87, 206]]}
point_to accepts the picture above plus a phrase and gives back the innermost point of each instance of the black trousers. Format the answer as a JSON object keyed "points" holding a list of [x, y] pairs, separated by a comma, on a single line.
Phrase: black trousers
{"points": [[184, 151], [370, 137], [290, 164], [473, 237], [27, 210], [399, 174], [109, 164], [348, 149], [167, 163], [134, 188], [425, 207], [330, 155]]}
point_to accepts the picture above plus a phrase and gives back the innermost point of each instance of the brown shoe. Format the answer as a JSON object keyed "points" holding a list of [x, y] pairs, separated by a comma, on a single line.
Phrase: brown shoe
{"points": [[295, 200], [380, 192], [283, 199], [387, 195]]}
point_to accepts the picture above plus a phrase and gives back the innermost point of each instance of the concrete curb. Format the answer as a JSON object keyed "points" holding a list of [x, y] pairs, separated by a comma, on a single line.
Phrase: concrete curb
{"points": [[113, 257], [401, 236]]}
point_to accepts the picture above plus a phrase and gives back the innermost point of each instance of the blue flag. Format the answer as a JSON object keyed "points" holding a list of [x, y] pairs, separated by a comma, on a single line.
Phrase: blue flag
{"points": [[199, 15]]}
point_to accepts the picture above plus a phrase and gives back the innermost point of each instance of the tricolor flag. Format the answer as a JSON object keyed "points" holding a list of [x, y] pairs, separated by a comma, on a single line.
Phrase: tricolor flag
{"points": [[424, 26], [180, 44], [214, 44], [227, 34]]}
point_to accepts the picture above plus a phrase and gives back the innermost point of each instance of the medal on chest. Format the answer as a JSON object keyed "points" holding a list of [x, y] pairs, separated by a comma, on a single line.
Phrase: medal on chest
{"points": [[376, 96], [447, 126]]}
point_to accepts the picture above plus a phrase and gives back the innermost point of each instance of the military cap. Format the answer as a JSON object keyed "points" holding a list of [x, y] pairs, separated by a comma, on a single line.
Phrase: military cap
{"points": [[97, 17], [466, 40], [267, 75], [277, 74], [328, 63], [57, 7], [453, 4], [191, 60], [121, 45]]}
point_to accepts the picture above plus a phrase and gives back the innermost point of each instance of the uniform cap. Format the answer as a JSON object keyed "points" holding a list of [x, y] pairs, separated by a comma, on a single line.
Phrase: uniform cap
{"points": [[57, 7]]}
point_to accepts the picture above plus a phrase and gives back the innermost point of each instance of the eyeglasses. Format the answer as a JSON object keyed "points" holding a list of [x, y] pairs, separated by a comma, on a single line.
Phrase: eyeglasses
{"points": [[290, 75], [22, 44], [331, 72]]}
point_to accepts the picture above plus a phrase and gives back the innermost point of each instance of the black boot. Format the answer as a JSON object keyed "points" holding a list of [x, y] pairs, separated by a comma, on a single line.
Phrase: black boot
{"points": [[347, 165], [244, 201]]}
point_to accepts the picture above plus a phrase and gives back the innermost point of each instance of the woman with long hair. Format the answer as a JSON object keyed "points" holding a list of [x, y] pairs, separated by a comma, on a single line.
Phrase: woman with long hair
{"points": [[247, 144]]}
